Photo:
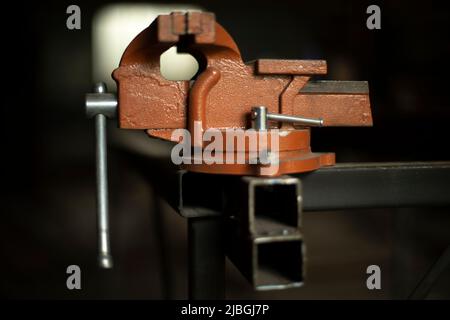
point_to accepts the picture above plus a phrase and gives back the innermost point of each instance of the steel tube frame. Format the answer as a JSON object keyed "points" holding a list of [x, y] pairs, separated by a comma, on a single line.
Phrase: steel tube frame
{"points": [[343, 186]]}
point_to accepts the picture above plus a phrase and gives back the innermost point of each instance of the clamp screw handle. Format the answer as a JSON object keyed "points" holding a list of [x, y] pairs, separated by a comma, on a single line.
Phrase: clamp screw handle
{"points": [[100, 106], [260, 117]]}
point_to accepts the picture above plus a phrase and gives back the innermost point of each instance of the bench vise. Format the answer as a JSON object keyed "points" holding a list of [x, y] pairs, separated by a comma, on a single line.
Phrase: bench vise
{"points": [[226, 92], [273, 101]]}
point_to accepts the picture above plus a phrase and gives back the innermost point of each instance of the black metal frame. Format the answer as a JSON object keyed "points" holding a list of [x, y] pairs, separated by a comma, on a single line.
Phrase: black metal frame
{"points": [[343, 186]]}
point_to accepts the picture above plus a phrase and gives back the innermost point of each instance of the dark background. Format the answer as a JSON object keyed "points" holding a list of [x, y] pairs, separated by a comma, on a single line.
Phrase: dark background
{"points": [[48, 174]]}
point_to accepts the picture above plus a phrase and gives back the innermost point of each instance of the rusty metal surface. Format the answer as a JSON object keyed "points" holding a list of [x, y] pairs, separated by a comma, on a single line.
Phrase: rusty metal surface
{"points": [[225, 89]]}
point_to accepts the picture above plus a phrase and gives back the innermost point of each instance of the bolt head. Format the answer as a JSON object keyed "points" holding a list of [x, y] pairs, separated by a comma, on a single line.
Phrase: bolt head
{"points": [[100, 87]]}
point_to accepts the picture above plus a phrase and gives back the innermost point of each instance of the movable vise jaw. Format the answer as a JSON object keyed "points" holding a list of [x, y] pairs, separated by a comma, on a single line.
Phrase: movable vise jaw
{"points": [[272, 101]]}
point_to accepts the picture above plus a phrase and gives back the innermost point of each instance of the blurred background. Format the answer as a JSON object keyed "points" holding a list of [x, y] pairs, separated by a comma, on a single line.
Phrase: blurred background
{"points": [[48, 172]]}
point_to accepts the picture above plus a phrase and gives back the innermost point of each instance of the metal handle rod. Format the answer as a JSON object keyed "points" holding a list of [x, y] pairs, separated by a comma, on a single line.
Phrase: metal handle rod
{"points": [[260, 116], [294, 119], [104, 257], [101, 105]]}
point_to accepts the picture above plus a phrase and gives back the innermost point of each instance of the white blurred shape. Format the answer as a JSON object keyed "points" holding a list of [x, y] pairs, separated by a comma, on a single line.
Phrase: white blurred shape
{"points": [[177, 66]]}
